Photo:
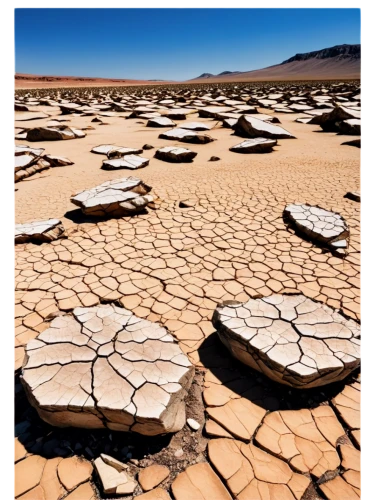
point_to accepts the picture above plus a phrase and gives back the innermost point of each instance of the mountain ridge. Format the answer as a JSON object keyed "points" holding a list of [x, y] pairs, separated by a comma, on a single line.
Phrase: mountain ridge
{"points": [[341, 61]]}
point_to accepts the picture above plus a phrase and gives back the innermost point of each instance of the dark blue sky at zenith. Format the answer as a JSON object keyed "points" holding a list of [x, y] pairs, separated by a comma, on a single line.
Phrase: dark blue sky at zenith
{"points": [[172, 44]]}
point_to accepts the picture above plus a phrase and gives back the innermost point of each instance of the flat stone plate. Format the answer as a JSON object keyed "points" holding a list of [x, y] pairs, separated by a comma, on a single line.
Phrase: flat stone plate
{"points": [[162, 121], [318, 224], [175, 154], [116, 197], [104, 367], [290, 338], [40, 230], [131, 162], [258, 145]]}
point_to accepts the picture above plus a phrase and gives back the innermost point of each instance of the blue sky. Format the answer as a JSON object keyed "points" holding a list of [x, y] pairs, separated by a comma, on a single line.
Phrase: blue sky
{"points": [[172, 44]]}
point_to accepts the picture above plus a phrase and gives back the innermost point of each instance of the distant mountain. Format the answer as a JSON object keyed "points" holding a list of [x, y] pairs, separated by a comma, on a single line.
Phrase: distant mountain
{"points": [[229, 73], [352, 52], [338, 62]]}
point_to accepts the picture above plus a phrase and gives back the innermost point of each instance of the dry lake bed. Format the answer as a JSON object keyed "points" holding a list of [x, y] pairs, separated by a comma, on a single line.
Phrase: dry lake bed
{"points": [[188, 292]]}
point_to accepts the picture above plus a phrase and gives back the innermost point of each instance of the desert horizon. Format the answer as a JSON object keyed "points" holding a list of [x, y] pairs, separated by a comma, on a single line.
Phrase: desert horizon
{"points": [[342, 66]]}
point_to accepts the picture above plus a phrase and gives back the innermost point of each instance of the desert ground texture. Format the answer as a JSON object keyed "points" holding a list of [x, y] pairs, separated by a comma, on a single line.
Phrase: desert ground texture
{"points": [[180, 333]]}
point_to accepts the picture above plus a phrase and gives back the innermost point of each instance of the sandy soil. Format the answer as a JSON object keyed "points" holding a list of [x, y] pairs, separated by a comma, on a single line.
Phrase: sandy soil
{"points": [[315, 159], [173, 265]]}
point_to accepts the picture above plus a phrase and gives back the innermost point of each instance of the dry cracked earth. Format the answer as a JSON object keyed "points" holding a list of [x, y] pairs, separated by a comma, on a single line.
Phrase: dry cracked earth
{"points": [[125, 386]]}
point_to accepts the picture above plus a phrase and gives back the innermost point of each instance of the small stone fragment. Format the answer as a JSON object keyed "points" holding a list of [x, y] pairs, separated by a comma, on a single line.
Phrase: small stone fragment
{"points": [[193, 424], [114, 482]]}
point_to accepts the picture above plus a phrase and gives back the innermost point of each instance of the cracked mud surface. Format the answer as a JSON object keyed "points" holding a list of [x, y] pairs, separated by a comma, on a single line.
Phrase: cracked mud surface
{"points": [[214, 233]]}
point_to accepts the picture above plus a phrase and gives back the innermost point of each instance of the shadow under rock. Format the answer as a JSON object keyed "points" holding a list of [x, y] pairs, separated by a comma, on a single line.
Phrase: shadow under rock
{"points": [[43, 439], [256, 387], [78, 217]]}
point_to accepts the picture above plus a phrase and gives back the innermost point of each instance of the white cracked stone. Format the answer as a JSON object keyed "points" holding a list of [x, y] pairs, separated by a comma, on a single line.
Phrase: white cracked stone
{"points": [[180, 134], [250, 127], [257, 145], [132, 162], [326, 227], [57, 133], [114, 198], [175, 154], [112, 151], [290, 338], [104, 367], [40, 231], [162, 121]]}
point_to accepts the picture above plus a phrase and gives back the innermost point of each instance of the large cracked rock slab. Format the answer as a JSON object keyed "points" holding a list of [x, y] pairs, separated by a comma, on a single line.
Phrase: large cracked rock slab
{"points": [[290, 338], [131, 162], [258, 145], [320, 225], [158, 122], [174, 154], [53, 133], [104, 367], [330, 122], [39, 231], [250, 127], [251, 473], [182, 135], [114, 198], [112, 151]]}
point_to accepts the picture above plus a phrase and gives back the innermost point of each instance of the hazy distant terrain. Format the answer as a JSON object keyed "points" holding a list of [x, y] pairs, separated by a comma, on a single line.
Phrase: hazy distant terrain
{"points": [[341, 61]]}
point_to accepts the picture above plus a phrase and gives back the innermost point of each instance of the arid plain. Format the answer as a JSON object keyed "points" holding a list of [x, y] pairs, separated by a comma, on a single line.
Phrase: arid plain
{"points": [[197, 424]]}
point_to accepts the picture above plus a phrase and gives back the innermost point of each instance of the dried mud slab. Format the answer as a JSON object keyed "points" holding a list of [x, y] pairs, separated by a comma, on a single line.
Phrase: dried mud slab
{"points": [[131, 162], [199, 482], [258, 145], [174, 154], [252, 473], [320, 225], [290, 338], [182, 135], [53, 133], [39, 231], [104, 367], [114, 198], [112, 151], [247, 126], [161, 121], [306, 439]]}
